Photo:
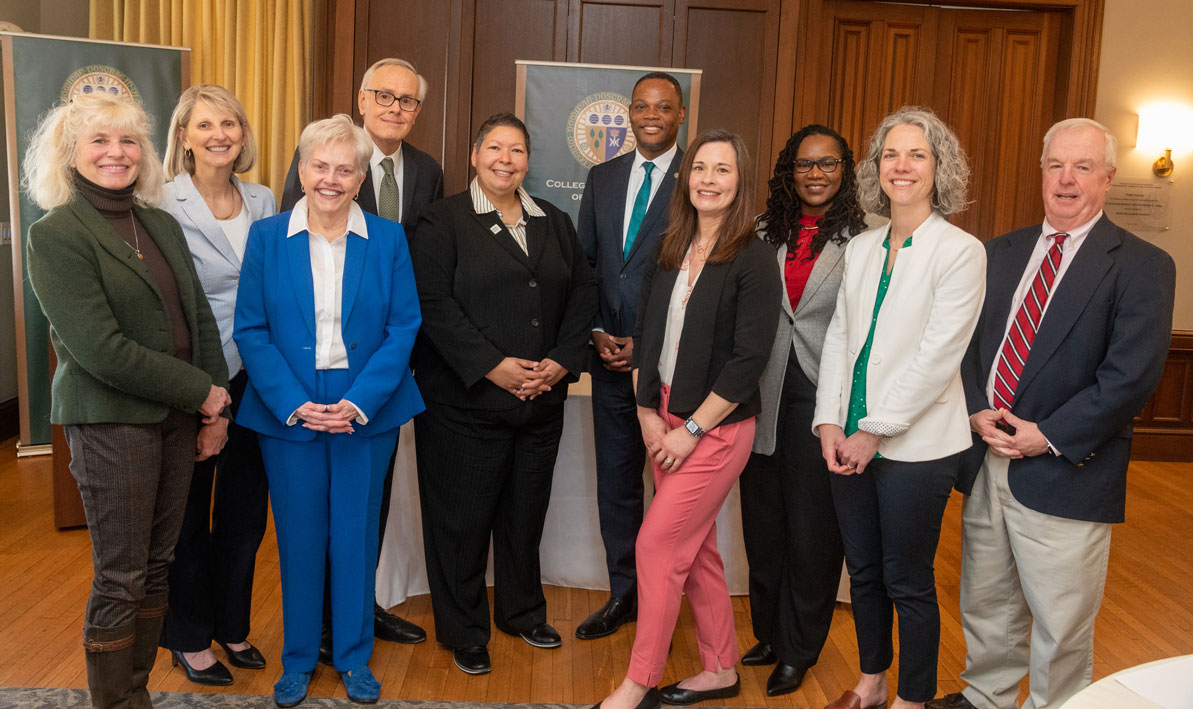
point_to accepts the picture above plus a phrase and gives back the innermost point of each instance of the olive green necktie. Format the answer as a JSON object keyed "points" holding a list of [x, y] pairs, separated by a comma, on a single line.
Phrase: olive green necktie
{"points": [[388, 204]]}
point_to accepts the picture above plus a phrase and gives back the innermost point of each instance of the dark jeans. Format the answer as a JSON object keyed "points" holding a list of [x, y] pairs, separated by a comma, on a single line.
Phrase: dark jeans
{"points": [[620, 459], [133, 479], [789, 525], [890, 522], [483, 473], [211, 579]]}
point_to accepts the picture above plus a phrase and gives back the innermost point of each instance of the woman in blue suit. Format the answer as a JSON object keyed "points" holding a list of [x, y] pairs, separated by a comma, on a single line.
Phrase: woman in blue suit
{"points": [[326, 315]]}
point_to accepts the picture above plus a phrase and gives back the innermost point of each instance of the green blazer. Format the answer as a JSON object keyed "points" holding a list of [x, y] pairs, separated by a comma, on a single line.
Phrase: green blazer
{"points": [[108, 322]]}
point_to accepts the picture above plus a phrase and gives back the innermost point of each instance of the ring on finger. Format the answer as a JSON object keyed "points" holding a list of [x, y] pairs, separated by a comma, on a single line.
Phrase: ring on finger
{"points": [[668, 461]]}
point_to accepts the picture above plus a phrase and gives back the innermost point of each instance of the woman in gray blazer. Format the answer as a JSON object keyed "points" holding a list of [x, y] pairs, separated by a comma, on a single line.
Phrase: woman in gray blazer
{"points": [[211, 578], [792, 541]]}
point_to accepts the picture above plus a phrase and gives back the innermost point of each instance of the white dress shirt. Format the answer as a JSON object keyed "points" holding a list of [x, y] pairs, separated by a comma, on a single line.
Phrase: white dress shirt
{"points": [[378, 174], [637, 175], [327, 274], [677, 310]]}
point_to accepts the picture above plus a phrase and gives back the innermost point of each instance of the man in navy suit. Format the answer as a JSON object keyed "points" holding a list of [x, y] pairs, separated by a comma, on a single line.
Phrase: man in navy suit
{"points": [[1071, 342], [401, 180], [622, 218]]}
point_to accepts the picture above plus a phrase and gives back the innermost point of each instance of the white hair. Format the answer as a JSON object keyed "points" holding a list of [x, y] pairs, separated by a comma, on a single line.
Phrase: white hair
{"points": [[1069, 123], [393, 61]]}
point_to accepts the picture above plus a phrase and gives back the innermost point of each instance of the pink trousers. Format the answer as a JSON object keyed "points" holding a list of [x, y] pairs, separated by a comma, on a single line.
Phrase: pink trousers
{"points": [[677, 552]]}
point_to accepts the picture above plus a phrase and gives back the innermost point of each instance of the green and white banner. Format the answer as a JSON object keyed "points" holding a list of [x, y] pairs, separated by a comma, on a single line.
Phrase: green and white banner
{"points": [[41, 72], [578, 116]]}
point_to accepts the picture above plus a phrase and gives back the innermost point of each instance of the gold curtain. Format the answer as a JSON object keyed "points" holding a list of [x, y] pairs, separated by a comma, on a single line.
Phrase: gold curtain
{"points": [[257, 49]]}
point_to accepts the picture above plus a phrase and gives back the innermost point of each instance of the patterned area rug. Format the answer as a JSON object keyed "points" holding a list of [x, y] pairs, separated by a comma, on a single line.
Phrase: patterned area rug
{"points": [[17, 698]]}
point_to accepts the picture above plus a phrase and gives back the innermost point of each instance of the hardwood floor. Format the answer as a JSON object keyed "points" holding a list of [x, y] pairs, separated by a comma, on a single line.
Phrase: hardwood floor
{"points": [[45, 577]]}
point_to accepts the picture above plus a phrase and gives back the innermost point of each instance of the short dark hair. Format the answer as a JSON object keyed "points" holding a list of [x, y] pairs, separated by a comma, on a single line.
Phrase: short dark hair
{"points": [[508, 120], [664, 76]]}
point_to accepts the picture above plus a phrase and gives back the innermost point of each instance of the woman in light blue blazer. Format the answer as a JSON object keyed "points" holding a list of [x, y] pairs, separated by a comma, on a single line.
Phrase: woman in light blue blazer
{"points": [[211, 577], [326, 316]]}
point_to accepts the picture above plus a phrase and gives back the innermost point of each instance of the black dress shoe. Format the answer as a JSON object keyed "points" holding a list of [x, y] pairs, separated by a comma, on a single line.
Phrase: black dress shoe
{"points": [[215, 676], [956, 700], [672, 694], [760, 654], [542, 635], [249, 658], [473, 659], [784, 679], [389, 627], [650, 701], [325, 646], [615, 613]]}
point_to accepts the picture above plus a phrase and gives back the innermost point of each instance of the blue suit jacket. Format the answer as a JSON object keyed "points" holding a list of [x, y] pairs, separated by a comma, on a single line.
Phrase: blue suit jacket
{"points": [[275, 327], [1096, 360], [600, 227]]}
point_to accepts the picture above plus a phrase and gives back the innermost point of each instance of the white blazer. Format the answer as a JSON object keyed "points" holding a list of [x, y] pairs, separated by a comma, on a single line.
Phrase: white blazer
{"points": [[913, 384]]}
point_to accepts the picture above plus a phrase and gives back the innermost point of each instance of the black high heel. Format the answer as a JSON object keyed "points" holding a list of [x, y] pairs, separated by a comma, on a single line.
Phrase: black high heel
{"points": [[215, 676], [249, 658]]}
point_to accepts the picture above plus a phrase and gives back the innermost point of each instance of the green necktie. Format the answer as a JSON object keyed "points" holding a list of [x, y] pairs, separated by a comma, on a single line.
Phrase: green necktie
{"points": [[639, 212], [388, 205]]}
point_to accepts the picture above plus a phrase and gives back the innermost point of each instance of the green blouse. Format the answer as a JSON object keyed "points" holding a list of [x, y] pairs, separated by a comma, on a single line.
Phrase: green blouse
{"points": [[857, 393]]}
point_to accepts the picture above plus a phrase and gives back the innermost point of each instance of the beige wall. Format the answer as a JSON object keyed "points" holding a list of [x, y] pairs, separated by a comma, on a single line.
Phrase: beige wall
{"points": [[1147, 57]]}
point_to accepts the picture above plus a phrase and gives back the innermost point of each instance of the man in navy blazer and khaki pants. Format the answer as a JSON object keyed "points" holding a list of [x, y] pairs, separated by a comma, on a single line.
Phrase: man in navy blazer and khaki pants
{"points": [[1052, 387], [623, 215]]}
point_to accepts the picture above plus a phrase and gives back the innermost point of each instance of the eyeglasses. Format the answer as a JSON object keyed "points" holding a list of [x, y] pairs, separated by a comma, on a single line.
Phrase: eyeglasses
{"points": [[826, 164], [385, 98]]}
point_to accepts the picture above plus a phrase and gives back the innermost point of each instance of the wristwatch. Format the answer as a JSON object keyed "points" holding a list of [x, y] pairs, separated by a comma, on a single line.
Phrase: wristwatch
{"points": [[693, 428]]}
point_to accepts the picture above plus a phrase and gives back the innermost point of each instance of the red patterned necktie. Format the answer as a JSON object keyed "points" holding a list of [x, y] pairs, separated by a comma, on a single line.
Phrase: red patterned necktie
{"points": [[1023, 330]]}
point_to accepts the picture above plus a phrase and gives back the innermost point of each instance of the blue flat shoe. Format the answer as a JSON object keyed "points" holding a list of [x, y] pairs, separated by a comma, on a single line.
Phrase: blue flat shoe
{"points": [[291, 689], [361, 685]]}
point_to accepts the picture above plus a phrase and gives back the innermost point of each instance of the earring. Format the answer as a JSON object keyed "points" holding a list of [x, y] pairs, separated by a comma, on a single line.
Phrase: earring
{"points": [[189, 154]]}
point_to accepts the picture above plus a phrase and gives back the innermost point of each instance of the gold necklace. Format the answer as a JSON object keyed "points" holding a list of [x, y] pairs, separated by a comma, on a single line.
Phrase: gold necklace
{"points": [[232, 211]]}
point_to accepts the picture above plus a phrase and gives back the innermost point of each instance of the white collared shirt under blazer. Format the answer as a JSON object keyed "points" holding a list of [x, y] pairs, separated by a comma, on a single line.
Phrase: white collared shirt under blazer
{"points": [[924, 327]]}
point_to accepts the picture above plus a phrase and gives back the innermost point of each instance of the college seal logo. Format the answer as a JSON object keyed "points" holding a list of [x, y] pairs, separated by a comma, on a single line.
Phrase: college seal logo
{"points": [[95, 78], [599, 128]]}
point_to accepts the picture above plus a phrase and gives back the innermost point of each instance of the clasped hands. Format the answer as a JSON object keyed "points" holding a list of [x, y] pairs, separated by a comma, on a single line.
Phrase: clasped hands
{"points": [[1015, 439], [615, 352], [327, 418], [524, 378], [847, 455], [667, 446], [213, 434]]}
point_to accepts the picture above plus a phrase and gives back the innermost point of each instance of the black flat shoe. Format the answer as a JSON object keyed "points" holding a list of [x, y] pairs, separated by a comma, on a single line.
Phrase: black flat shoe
{"points": [[249, 658], [672, 694], [542, 635], [394, 629], [784, 679], [473, 659], [760, 654], [215, 676], [615, 613], [650, 701]]}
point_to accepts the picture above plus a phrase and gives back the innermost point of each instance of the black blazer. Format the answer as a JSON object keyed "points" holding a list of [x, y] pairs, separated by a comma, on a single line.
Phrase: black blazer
{"points": [[483, 299], [600, 226], [728, 331], [422, 181], [1096, 360]]}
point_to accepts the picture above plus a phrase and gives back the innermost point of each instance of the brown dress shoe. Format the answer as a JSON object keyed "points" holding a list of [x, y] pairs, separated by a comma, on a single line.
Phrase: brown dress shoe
{"points": [[850, 700], [956, 700]]}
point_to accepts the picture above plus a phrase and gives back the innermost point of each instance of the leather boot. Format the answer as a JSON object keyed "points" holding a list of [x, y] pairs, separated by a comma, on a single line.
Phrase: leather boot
{"points": [[109, 654], [150, 617]]}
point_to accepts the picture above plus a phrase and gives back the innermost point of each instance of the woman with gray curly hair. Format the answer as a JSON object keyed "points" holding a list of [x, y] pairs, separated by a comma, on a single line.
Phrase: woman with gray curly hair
{"points": [[890, 412]]}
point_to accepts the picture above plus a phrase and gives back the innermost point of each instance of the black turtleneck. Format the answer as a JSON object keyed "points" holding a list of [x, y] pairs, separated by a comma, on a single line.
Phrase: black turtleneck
{"points": [[116, 206]]}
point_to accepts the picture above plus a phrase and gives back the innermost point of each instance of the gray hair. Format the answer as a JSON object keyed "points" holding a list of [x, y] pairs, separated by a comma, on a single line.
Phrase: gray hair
{"points": [[337, 129], [179, 160], [1061, 126], [952, 169], [49, 163], [394, 61]]}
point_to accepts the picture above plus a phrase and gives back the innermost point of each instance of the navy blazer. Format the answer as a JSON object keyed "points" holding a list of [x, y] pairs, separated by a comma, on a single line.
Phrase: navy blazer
{"points": [[1096, 360], [422, 184], [275, 327], [600, 227]]}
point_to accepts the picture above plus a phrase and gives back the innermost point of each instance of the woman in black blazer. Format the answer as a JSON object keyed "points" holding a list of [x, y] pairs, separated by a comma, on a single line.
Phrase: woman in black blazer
{"points": [[508, 301], [703, 337]]}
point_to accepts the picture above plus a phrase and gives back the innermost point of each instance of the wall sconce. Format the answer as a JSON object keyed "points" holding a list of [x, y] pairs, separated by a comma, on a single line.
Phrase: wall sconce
{"points": [[1165, 127]]}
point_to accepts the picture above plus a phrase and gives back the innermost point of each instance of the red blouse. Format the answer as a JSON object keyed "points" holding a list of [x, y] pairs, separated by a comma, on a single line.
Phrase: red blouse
{"points": [[798, 267]]}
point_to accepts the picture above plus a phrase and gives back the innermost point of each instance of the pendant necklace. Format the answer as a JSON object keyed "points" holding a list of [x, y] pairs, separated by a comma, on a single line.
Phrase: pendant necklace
{"points": [[136, 239]]}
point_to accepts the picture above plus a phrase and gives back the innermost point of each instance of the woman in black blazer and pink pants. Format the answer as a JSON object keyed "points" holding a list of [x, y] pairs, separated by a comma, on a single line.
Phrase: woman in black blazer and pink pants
{"points": [[702, 340]]}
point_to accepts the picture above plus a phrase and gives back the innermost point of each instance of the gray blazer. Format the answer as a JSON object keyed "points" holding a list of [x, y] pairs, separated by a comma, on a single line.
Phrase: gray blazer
{"points": [[802, 329], [215, 260]]}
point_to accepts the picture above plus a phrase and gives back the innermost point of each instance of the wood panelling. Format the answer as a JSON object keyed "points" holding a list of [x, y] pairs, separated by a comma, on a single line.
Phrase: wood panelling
{"points": [[622, 32], [1164, 429]]}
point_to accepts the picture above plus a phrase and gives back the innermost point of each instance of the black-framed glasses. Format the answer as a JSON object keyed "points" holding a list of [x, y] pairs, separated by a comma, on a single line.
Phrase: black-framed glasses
{"points": [[385, 98], [826, 164]]}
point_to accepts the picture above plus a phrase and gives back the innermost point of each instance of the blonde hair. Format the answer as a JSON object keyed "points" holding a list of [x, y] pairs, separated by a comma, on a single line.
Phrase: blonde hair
{"points": [[49, 163], [337, 129], [180, 160]]}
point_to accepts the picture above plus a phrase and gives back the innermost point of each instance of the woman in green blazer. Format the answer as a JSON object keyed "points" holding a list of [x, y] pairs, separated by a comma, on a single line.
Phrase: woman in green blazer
{"points": [[139, 367]]}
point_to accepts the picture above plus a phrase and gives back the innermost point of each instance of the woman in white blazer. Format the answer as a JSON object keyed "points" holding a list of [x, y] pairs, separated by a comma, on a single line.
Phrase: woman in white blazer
{"points": [[890, 412], [211, 577]]}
